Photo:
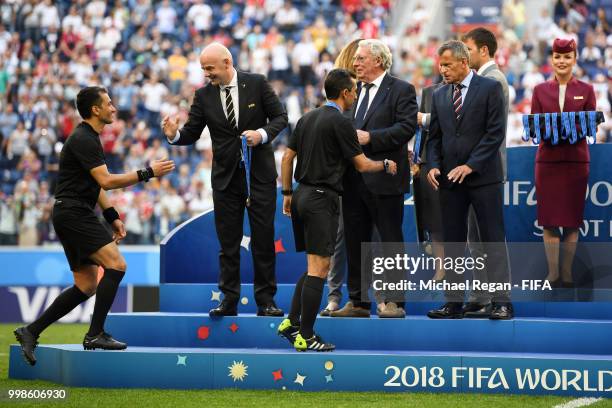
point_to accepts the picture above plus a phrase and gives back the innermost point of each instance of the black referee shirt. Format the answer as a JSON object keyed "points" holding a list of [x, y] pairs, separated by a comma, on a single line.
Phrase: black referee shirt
{"points": [[323, 139], [81, 153]]}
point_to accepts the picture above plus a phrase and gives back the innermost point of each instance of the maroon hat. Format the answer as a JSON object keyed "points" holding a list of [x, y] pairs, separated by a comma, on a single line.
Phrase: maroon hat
{"points": [[563, 46]]}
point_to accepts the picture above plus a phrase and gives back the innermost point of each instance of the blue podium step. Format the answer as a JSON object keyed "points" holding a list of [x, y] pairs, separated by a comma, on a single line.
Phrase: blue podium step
{"points": [[524, 335], [409, 371], [201, 297]]}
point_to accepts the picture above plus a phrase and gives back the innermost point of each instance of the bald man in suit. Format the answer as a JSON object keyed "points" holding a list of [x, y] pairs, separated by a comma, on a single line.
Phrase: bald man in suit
{"points": [[237, 104]]}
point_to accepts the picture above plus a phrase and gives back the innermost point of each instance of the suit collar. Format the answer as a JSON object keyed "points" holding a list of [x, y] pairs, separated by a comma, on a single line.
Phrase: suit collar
{"points": [[487, 67], [472, 91], [381, 94], [242, 99]]}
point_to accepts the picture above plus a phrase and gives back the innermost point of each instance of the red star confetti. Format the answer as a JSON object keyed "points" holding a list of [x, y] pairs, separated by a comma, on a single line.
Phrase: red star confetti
{"points": [[203, 332], [234, 327], [278, 375], [278, 246]]}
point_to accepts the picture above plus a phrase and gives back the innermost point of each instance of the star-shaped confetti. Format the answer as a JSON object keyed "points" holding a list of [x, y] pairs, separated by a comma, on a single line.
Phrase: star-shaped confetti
{"points": [[278, 246], [234, 327], [181, 360], [329, 378], [299, 379], [203, 332], [215, 296], [245, 242], [278, 375]]}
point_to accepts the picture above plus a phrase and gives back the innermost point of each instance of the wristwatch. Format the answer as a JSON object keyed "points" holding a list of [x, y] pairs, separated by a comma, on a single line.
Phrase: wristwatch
{"points": [[286, 192]]}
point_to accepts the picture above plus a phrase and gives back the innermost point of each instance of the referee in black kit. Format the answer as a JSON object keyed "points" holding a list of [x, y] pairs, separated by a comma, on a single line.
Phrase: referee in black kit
{"points": [[83, 177], [323, 141]]}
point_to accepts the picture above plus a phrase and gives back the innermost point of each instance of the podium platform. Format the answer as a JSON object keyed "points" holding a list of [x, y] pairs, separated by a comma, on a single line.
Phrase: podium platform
{"points": [[559, 347]]}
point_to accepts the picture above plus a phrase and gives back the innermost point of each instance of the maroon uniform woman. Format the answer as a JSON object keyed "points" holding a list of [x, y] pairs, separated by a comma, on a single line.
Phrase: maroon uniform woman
{"points": [[562, 170]]}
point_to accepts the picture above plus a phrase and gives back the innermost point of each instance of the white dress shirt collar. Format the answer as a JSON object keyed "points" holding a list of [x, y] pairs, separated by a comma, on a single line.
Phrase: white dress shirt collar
{"points": [[233, 82], [466, 81], [379, 80]]}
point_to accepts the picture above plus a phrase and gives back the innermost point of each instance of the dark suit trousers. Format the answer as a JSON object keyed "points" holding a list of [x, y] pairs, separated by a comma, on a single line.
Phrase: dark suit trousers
{"points": [[229, 217], [487, 202], [363, 210]]}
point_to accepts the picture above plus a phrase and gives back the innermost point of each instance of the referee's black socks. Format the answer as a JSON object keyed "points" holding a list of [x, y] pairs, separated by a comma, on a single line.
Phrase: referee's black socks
{"points": [[296, 302], [105, 295], [61, 306], [312, 293]]}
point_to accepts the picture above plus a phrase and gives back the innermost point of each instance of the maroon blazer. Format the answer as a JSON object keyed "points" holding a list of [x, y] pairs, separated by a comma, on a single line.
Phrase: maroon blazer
{"points": [[579, 96]]}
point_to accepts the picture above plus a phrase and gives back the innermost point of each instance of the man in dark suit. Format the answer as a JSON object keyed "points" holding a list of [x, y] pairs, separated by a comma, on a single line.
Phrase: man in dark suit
{"points": [[385, 117], [232, 105], [482, 45], [466, 129], [426, 199]]}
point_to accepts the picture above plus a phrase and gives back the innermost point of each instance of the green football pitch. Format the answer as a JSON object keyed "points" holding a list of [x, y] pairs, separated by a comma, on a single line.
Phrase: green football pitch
{"points": [[94, 397]]}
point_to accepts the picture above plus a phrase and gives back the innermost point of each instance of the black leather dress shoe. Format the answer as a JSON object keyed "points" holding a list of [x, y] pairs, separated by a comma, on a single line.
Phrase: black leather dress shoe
{"points": [[224, 309], [102, 341], [450, 310], [270, 310], [502, 311], [474, 310]]}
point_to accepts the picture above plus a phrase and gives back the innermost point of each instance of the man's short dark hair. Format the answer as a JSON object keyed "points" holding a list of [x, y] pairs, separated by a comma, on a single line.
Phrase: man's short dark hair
{"points": [[481, 37], [336, 81], [87, 98]]}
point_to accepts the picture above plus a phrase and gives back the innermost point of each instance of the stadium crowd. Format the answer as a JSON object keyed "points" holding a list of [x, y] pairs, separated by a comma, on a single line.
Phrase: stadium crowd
{"points": [[146, 54]]}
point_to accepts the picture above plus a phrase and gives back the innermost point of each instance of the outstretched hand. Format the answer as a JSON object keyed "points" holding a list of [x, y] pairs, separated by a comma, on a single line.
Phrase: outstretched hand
{"points": [[162, 167], [170, 126]]}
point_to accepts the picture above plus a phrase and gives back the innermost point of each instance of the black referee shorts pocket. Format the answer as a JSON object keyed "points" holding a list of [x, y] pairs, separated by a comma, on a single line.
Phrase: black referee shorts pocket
{"points": [[318, 199]]}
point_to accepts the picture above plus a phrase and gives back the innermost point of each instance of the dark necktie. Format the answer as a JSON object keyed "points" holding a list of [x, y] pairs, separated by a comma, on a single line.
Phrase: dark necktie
{"points": [[363, 108], [457, 100], [229, 107]]}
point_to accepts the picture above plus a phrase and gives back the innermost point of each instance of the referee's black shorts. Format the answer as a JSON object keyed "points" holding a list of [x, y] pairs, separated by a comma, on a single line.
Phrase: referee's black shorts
{"points": [[80, 232], [314, 215]]}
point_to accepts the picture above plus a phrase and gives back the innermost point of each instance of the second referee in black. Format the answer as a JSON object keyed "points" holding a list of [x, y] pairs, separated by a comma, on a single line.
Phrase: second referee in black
{"points": [[82, 181], [324, 141]]}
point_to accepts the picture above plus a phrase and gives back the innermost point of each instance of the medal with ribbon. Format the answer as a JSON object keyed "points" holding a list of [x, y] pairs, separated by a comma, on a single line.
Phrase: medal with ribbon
{"points": [[246, 152], [417, 145], [562, 127], [555, 128]]}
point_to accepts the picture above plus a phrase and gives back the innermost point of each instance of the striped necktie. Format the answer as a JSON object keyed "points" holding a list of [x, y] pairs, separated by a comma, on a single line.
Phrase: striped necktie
{"points": [[229, 107], [457, 100]]}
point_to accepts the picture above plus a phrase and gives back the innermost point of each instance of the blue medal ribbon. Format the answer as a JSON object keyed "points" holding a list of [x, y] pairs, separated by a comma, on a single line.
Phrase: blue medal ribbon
{"points": [[583, 125], [555, 124], [333, 105], [526, 133], [593, 125], [574, 134], [547, 124], [417, 145], [246, 158], [567, 128], [536, 125]]}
